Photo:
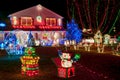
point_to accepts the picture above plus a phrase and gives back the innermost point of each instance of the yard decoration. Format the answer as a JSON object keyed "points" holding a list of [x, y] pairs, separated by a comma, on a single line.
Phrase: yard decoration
{"points": [[64, 64], [30, 66], [98, 40]]}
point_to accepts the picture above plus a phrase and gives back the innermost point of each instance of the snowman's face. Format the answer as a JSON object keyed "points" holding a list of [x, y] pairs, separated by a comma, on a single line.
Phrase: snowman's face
{"points": [[66, 56]]}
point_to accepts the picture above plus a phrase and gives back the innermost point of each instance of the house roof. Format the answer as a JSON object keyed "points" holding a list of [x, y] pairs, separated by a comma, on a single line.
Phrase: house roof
{"points": [[34, 11]]}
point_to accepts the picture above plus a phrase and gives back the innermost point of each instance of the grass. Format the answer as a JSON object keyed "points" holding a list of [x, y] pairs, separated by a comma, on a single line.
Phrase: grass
{"points": [[107, 64]]}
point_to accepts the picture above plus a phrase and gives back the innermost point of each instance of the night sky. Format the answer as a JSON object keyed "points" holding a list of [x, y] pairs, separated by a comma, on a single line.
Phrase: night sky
{"points": [[10, 6], [60, 7]]}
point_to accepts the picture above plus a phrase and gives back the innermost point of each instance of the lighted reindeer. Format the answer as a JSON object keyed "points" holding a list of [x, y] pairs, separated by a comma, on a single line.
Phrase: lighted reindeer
{"points": [[98, 40]]}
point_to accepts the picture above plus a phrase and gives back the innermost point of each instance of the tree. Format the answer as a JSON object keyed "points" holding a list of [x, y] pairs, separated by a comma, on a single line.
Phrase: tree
{"points": [[73, 32]]}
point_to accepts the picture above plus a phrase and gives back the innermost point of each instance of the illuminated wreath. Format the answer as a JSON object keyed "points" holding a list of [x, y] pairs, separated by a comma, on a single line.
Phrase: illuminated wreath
{"points": [[39, 18]]}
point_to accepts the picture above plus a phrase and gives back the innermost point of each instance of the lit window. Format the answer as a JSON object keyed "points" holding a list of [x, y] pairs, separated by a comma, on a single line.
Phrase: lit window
{"points": [[59, 22], [26, 21], [51, 21], [15, 20], [1, 36]]}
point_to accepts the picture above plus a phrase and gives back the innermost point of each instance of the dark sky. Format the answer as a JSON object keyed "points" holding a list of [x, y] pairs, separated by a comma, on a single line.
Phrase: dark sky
{"points": [[10, 6], [59, 6]]}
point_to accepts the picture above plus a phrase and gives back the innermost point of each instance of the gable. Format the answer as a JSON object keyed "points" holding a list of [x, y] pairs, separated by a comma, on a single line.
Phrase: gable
{"points": [[37, 10]]}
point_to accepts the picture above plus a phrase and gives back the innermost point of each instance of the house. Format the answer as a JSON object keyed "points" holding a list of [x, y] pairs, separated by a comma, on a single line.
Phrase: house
{"points": [[45, 26]]}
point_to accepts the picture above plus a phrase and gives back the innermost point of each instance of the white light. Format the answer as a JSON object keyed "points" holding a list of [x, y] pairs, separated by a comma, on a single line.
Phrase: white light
{"points": [[59, 22], [37, 42], [14, 17], [15, 22], [39, 7]]}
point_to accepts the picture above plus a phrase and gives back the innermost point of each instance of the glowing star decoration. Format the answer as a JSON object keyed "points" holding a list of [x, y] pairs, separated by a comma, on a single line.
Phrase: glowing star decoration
{"points": [[30, 66]]}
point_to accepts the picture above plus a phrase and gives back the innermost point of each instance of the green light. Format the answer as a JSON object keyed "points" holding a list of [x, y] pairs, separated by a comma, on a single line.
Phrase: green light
{"points": [[77, 56], [114, 22]]}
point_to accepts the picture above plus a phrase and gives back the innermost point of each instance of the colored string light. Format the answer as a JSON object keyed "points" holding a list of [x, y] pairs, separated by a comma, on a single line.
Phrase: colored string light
{"points": [[110, 17], [118, 15], [30, 66], [104, 16]]}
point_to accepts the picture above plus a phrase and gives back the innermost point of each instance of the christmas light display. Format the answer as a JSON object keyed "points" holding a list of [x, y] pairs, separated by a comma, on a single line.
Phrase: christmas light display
{"points": [[31, 41], [90, 15], [2, 46], [66, 72], [2, 24], [73, 32], [118, 39], [30, 66], [66, 69], [106, 39], [98, 40], [15, 20], [22, 37], [12, 45], [39, 19], [87, 43]]}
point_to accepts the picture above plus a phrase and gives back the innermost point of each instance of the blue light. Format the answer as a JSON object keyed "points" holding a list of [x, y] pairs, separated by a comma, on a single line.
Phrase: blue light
{"points": [[2, 46], [73, 32], [11, 45], [2, 24]]}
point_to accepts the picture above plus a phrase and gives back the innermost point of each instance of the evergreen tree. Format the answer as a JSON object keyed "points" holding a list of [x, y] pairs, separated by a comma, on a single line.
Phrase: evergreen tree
{"points": [[73, 32]]}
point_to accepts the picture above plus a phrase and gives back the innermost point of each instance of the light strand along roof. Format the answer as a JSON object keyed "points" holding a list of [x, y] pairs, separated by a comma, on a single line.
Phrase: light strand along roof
{"points": [[34, 11]]}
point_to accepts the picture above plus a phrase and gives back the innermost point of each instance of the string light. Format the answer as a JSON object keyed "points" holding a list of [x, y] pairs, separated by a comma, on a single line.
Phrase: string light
{"points": [[30, 66]]}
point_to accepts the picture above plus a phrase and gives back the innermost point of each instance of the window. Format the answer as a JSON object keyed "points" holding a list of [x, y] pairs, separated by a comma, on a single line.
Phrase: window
{"points": [[26, 21], [51, 21], [15, 20], [1, 36]]}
